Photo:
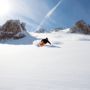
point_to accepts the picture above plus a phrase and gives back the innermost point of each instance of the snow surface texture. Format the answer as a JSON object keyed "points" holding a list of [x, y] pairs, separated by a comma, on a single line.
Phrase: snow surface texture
{"points": [[65, 65]]}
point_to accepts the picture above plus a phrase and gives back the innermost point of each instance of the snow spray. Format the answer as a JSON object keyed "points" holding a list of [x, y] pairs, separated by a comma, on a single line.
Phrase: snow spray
{"points": [[49, 14]]}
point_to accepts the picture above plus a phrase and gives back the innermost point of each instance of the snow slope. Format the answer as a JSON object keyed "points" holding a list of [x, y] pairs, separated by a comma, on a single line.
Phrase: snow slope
{"points": [[65, 65]]}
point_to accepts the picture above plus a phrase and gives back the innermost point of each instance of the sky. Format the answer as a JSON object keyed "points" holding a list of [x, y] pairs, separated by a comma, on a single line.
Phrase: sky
{"points": [[65, 15]]}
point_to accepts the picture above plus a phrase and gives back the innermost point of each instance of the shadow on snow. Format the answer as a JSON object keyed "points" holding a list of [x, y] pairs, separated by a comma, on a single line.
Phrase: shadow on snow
{"points": [[28, 40]]}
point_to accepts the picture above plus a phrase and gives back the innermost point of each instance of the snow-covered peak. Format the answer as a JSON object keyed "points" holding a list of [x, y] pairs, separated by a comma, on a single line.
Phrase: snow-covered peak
{"points": [[12, 29], [81, 27]]}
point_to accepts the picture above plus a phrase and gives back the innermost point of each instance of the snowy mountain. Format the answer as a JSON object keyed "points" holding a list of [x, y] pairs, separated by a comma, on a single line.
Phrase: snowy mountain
{"points": [[81, 27], [56, 29], [64, 65], [12, 29]]}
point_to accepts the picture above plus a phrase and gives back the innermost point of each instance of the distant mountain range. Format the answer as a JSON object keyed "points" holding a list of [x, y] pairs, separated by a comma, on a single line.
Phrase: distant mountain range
{"points": [[79, 27]]}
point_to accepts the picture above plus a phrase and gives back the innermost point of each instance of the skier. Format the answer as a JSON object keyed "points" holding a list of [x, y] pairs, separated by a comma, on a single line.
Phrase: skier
{"points": [[43, 42]]}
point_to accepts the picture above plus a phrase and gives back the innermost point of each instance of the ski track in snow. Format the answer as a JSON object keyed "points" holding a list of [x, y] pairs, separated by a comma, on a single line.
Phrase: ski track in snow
{"points": [[62, 66]]}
